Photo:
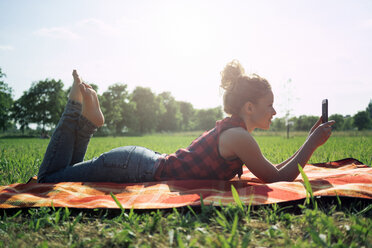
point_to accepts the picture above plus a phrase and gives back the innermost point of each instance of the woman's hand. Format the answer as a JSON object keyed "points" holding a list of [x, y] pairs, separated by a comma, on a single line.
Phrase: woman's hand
{"points": [[320, 133], [317, 124]]}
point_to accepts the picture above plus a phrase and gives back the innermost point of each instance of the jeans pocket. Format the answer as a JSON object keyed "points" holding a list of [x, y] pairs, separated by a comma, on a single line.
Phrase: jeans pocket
{"points": [[118, 157]]}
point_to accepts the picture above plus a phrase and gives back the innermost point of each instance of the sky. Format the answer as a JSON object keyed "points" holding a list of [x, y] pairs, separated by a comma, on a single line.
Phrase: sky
{"points": [[307, 50]]}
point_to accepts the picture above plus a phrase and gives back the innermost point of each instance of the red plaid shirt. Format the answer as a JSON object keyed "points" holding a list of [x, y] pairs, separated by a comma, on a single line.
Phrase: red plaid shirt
{"points": [[202, 160]]}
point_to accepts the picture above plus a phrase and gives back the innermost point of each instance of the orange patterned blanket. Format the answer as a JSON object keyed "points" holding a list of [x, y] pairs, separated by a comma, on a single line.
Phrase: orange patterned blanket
{"points": [[347, 177]]}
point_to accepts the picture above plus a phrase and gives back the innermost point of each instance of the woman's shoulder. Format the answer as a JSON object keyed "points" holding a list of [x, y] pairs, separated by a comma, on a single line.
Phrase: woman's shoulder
{"points": [[236, 133], [233, 139], [237, 137]]}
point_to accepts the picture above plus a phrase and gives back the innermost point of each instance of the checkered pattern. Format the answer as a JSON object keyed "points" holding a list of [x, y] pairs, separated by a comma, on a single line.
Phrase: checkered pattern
{"points": [[201, 160]]}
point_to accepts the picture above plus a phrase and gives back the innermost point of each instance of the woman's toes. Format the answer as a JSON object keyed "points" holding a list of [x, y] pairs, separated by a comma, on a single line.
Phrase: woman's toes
{"points": [[87, 85], [83, 89], [91, 109], [75, 93], [76, 77]]}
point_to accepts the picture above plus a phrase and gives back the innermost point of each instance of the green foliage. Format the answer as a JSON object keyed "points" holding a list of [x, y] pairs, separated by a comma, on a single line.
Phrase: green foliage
{"points": [[187, 112], [348, 123], [20, 112], [278, 124], [170, 119], [236, 198], [139, 112], [303, 122], [117, 109], [206, 118], [309, 190], [339, 119], [6, 103], [369, 109], [42, 104], [362, 120], [146, 109], [343, 123], [20, 158]]}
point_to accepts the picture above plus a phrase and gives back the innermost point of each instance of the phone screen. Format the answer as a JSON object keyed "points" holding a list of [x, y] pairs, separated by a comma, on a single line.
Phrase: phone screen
{"points": [[325, 110]]}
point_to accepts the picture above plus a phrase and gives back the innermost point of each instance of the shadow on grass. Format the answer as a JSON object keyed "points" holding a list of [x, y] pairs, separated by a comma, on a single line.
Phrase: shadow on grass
{"points": [[349, 205]]}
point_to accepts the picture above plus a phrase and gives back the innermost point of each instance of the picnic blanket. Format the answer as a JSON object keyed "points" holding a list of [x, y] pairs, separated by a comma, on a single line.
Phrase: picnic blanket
{"points": [[347, 177]]}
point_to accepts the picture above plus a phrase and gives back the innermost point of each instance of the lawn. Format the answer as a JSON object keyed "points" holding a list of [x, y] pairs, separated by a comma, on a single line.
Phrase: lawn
{"points": [[333, 223]]}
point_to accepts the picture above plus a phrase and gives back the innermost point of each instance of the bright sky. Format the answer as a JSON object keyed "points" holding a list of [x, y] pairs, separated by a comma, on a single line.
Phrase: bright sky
{"points": [[324, 48]]}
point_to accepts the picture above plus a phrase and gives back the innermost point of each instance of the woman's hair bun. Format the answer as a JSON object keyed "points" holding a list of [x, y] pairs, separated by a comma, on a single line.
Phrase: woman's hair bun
{"points": [[230, 74]]}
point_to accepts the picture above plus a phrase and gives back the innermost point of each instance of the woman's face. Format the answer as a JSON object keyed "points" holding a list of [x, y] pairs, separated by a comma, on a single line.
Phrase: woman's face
{"points": [[263, 111]]}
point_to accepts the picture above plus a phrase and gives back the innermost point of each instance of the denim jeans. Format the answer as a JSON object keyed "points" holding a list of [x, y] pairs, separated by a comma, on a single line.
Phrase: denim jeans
{"points": [[63, 160]]}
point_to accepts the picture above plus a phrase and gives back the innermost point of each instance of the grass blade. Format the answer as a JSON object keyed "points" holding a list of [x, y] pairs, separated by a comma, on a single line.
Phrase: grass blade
{"points": [[365, 210], [309, 190], [117, 201], [233, 229], [237, 198], [192, 211]]}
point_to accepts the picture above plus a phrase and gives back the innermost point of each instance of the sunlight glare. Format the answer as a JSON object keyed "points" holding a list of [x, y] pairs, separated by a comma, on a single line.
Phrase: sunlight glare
{"points": [[188, 36]]}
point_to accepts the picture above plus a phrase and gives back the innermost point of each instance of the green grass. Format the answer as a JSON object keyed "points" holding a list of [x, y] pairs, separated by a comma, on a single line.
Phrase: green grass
{"points": [[331, 223]]}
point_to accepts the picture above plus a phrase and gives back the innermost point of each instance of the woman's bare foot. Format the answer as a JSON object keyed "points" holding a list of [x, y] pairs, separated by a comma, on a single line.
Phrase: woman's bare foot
{"points": [[91, 109], [75, 93]]}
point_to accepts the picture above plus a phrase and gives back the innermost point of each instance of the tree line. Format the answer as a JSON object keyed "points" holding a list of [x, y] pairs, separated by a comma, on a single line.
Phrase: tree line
{"points": [[360, 121], [141, 111]]}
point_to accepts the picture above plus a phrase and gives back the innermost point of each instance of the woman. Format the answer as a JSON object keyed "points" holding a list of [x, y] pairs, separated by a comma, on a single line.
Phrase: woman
{"points": [[217, 154]]}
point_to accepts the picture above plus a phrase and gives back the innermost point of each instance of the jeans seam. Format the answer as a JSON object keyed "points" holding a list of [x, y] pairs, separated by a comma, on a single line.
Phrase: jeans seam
{"points": [[46, 172], [129, 157], [139, 167]]}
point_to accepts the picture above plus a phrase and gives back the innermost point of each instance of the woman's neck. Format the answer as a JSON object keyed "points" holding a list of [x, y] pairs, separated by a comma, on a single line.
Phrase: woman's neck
{"points": [[248, 123]]}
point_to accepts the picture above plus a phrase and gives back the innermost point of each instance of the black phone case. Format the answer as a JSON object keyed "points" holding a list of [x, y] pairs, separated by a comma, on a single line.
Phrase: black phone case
{"points": [[324, 110]]}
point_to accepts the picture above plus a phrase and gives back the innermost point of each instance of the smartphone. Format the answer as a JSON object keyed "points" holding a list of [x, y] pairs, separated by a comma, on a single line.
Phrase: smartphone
{"points": [[325, 110]]}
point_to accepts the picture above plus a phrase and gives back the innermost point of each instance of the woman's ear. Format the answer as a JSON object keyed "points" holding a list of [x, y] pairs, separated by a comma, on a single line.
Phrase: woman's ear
{"points": [[248, 107]]}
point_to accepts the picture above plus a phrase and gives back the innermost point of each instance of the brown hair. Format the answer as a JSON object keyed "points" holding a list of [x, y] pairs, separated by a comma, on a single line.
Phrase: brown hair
{"points": [[241, 88]]}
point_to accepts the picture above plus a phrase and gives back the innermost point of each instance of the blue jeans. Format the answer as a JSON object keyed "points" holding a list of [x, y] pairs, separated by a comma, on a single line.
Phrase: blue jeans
{"points": [[63, 160]]}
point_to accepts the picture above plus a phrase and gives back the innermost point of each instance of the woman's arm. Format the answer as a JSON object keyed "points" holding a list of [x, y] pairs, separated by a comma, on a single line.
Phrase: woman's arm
{"points": [[279, 166], [243, 145]]}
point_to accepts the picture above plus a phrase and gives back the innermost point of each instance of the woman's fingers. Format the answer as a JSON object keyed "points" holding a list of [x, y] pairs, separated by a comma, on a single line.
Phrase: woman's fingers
{"points": [[328, 128], [328, 124], [317, 124], [322, 133], [331, 122], [319, 121]]}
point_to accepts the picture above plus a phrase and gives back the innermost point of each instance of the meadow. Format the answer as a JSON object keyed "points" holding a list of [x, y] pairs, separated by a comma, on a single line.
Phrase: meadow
{"points": [[334, 222]]}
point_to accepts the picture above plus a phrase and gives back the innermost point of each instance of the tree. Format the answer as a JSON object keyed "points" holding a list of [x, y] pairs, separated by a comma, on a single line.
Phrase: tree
{"points": [[348, 123], [339, 119], [116, 108], [170, 118], [278, 124], [42, 104], [362, 120], [146, 109], [369, 109], [206, 118], [6, 102], [20, 112], [304, 123], [187, 112]]}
